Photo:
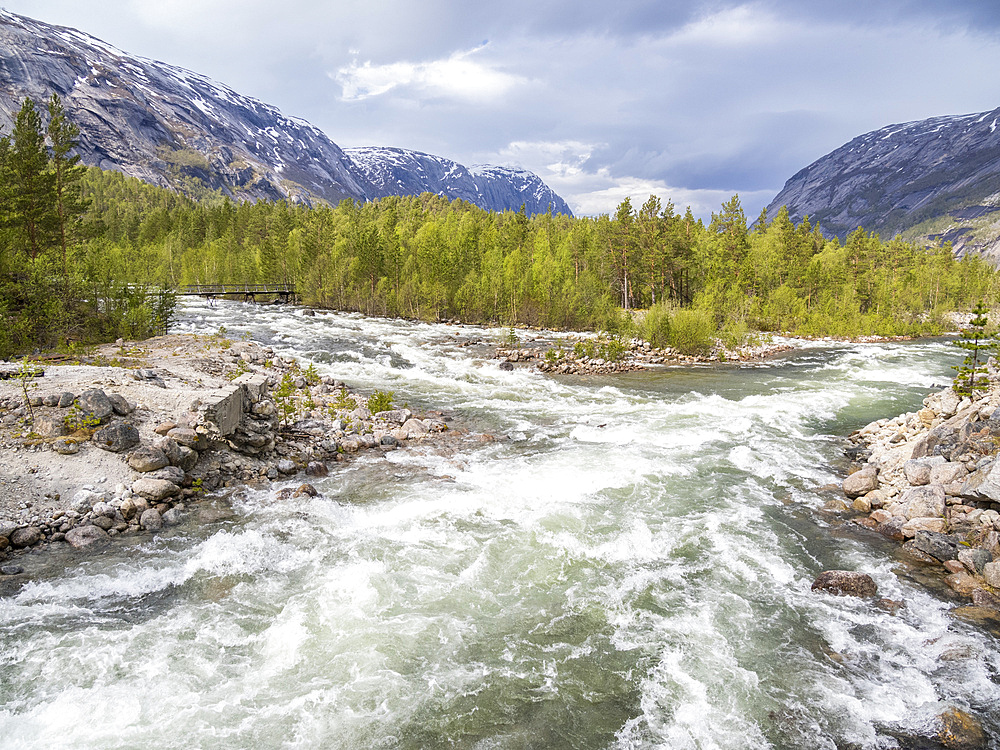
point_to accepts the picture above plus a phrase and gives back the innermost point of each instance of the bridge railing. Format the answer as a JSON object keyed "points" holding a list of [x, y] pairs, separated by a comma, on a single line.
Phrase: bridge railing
{"points": [[213, 289]]}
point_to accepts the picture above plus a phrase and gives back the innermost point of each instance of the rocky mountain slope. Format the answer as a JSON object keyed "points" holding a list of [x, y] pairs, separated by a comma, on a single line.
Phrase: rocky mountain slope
{"points": [[395, 171], [174, 128], [933, 180]]}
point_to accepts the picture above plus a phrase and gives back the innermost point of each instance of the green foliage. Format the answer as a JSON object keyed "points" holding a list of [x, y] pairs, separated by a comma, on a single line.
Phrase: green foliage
{"points": [[27, 371], [311, 375], [380, 401], [241, 368], [76, 420], [344, 402], [692, 332], [971, 378], [285, 398]]}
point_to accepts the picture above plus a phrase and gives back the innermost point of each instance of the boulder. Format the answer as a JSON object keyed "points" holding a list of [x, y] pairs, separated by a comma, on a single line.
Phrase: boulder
{"points": [[917, 472], [940, 546], [173, 474], [25, 537], [991, 572], [960, 730], [974, 558], [188, 438], [983, 485], [151, 520], [286, 466], [857, 484], [82, 537], [172, 517], [188, 458], [117, 437], [414, 428], [316, 469], [146, 458], [961, 583], [922, 502], [305, 490], [95, 403], [50, 425], [949, 472], [66, 399], [845, 583], [923, 523], [120, 404], [169, 448], [155, 489]]}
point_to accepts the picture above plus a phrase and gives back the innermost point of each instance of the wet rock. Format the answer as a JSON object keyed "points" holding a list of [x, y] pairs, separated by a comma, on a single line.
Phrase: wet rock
{"points": [[25, 537], [316, 469], [860, 482], [155, 489], [172, 517], [983, 598], [507, 366], [961, 583], [305, 490], [11, 570], [117, 437], [285, 466], [66, 447], [923, 502], [95, 403], [412, 428], [83, 537], [103, 522], [960, 730], [151, 520], [148, 458], [845, 583]]}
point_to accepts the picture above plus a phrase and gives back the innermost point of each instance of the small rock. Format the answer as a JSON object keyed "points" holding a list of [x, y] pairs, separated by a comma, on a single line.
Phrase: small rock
{"points": [[173, 474], [911, 527], [961, 583], [120, 404], [127, 509], [172, 517], [917, 472], [938, 545], [189, 438], [285, 466], [103, 522], [11, 570], [974, 559], [82, 537], [861, 504], [104, 509], [66, 399], [66, 447], [845, 583], [961, 731], [164, 427]]}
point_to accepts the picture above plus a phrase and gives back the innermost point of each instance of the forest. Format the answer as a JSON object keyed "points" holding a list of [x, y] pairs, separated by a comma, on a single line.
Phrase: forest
{"points": [[87, 262]]}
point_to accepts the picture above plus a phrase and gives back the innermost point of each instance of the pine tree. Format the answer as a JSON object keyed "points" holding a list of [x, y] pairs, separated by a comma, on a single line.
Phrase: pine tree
{"points": [[32, 184], [971, 376], [67, 173]]}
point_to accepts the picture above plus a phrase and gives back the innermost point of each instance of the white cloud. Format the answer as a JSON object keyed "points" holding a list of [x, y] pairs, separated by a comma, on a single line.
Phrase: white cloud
{"points": [[457, 76]]}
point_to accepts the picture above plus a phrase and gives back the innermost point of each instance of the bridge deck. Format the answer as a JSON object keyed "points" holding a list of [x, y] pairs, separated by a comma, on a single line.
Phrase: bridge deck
{"points": [[247, 290]]}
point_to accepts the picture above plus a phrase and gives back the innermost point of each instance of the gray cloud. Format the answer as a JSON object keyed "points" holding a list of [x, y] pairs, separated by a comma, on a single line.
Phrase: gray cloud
{"points": [[692, 100]]}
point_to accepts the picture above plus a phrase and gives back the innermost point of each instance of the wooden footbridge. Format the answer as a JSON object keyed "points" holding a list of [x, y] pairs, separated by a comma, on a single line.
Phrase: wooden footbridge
{"points": [[249, 292]]}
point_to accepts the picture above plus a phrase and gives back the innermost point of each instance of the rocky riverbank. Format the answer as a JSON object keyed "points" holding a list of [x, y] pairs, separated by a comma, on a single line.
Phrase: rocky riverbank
{"points": [[125, 439], [931, 480]]}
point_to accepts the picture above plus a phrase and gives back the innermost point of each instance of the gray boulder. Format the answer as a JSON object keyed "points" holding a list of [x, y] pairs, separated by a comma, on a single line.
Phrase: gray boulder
{"points": [[845, 583], [117, 437], [95, 403], [120, 404], [151, 520], [147, 458], [173, 474], [66, 446], [82, 537], [156, 490], [25, 537], [983, 485]]}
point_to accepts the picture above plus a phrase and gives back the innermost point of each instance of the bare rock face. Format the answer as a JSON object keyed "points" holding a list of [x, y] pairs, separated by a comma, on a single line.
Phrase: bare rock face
{"points": [[845, 583]]}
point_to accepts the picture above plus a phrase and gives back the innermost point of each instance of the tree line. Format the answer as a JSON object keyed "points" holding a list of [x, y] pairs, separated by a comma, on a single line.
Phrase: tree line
{"points": [[47, 298], [76, 239]]}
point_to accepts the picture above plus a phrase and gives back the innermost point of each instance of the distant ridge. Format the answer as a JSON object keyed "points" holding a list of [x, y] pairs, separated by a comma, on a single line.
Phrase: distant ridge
{"points": [[175, 128], [931, 180]]}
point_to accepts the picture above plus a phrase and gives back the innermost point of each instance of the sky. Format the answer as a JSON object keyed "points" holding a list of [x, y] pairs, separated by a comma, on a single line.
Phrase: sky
{"points": [[691, 101]]}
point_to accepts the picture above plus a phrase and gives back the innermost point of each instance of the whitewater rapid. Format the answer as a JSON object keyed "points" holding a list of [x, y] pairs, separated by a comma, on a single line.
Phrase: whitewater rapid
{"points": [[625, 564]]}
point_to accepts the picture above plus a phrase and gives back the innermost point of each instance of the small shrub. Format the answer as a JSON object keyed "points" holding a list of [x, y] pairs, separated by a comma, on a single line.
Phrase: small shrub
{"points": [[692, 332], [380, 401]]}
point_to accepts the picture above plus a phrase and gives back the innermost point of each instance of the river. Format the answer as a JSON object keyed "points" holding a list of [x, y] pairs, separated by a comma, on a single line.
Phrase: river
{"points": [[626, 565]]}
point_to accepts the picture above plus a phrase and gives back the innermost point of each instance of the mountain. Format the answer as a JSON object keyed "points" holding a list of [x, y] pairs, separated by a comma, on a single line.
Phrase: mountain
{"points": [[396, 171], [931, 180], [174, 128]]}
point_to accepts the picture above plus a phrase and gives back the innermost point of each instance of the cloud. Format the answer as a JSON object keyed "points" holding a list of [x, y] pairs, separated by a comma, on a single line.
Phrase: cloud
{"points": [[457, 76]]}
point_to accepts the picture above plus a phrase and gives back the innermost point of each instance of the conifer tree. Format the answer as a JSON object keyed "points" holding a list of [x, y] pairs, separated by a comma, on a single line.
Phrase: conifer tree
{"points": [[971, 377], [67, 173], [32, 200]]}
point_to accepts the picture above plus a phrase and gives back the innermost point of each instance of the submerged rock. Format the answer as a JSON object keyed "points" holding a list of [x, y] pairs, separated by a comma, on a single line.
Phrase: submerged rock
{"points": [[83, 537]]}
